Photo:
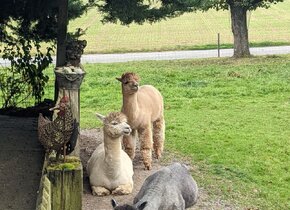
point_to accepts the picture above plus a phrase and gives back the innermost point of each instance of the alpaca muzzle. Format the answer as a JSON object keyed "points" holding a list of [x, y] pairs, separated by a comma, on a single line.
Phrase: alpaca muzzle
{"points": [[127, 131], [135, 87]]}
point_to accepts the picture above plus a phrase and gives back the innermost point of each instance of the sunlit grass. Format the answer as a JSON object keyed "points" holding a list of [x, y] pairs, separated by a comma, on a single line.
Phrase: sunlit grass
{"points": [[230, 117]]}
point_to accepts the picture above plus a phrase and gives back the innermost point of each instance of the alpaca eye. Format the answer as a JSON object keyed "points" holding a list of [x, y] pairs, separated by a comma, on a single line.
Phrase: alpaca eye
{"points": [[114, 123], [126, 83]]}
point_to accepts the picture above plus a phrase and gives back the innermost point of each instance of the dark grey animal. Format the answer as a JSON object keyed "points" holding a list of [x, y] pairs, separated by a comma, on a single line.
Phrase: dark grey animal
{"points": [[170, 188]]}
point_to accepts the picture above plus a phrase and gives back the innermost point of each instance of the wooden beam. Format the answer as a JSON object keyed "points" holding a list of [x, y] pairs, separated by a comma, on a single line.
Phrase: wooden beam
{"points": [[62, 22]]}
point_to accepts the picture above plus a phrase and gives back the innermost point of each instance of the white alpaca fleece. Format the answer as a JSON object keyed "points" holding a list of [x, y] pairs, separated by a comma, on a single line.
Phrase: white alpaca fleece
{"points": [[110, 169]]}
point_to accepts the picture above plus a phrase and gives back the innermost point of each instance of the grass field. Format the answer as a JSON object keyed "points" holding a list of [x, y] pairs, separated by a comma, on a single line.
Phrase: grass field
{"points": [[190, 31], [229, 117]]}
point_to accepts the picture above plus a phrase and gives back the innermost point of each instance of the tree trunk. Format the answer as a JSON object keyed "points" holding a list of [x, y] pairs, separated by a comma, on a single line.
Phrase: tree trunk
{"points": [[62, 21], [240, 31]]}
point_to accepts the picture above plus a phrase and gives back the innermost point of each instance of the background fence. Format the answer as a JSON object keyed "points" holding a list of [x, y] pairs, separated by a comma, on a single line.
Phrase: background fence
{"points": [[190, 31]]}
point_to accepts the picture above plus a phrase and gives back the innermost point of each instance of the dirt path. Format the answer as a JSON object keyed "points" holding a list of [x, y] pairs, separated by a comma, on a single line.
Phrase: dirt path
{"points": [[21, 159], [91, 138]]}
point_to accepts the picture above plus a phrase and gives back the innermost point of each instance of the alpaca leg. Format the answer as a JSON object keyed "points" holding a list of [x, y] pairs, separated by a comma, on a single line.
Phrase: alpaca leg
{"points": [[100, 191], [158, 136], [145, 138], [129, 144], [124, 189]]}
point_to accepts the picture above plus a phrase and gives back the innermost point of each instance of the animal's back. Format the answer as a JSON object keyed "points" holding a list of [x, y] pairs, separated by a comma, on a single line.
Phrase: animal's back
{"points": [[126, 174], [94, 166], [54, 134], [173, 184], [46, 134], [151, 101], [153, 184], [186, 184]]}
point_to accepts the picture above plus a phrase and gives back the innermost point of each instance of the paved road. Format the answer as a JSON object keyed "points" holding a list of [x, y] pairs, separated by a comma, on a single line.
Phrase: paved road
{"points": [[172, 55]]}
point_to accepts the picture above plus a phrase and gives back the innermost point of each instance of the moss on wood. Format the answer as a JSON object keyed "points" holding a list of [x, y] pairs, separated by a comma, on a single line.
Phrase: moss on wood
{"points": [[67, 183], [70, 163]]}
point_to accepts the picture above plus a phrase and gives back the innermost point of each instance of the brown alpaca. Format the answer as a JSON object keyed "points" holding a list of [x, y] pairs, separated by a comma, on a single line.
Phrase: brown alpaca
{"points": [[143, 106]]}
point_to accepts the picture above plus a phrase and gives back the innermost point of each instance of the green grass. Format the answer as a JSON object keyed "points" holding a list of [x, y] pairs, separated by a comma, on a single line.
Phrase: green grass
{"points": [[190, 31], [230, 117]]}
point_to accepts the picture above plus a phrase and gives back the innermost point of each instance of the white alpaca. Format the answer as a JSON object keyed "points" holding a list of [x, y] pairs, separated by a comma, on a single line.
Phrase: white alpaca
{"points": [[143, 107], [110, 169]]}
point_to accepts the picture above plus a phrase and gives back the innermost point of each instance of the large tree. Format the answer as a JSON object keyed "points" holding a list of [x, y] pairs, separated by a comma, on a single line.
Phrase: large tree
{"points": [[138, 11], [24, 26]]}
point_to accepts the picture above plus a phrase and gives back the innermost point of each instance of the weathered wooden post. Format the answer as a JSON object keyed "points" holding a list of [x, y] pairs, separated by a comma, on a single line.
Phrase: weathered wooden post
{"points": [[62, 23], [67, 178], [66, 184], [218, 45], [69, 79]]}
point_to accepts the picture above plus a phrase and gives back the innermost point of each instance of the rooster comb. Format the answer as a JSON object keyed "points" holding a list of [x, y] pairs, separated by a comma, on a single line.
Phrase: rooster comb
{"points": [[64, 99]]}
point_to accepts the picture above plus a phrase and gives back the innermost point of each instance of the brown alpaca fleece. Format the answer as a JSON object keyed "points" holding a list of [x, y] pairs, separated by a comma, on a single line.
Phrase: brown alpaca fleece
{"points": [[143, 106]]}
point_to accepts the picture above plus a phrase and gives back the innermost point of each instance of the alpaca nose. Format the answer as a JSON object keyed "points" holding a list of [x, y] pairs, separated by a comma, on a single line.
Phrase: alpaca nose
{"points": [[135, 86], [127, 130]]}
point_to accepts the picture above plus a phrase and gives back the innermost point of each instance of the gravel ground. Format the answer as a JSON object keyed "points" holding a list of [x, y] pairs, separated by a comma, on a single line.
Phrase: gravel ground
{"points": [[90, 139]]}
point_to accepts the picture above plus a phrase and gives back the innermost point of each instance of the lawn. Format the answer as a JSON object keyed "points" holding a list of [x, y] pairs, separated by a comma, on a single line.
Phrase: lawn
{"points": [[190, 31], [229, 117]]}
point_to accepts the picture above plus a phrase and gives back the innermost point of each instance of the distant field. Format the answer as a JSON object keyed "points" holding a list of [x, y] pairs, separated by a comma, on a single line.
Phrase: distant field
{"points": [[190, 31]]}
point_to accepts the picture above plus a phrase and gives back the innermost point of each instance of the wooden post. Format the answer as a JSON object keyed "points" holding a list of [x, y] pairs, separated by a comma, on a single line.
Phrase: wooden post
{"points": [[218, 45], [69, 85], [68, 61], [74, 97], [62, 21], [66, 186]]}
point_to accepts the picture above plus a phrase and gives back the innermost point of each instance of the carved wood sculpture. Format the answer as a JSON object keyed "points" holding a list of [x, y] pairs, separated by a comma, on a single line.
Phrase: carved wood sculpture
{"points": [[55, 134]]}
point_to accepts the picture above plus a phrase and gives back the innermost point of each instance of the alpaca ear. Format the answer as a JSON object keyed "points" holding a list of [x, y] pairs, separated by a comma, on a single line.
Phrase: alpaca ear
{"points": [[114, 203], [101, 117], [142, 205], [119, 79]]}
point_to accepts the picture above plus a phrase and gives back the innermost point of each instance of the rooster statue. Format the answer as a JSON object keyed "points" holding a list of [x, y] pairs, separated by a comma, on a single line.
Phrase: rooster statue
{"points": [[54, 135]]}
